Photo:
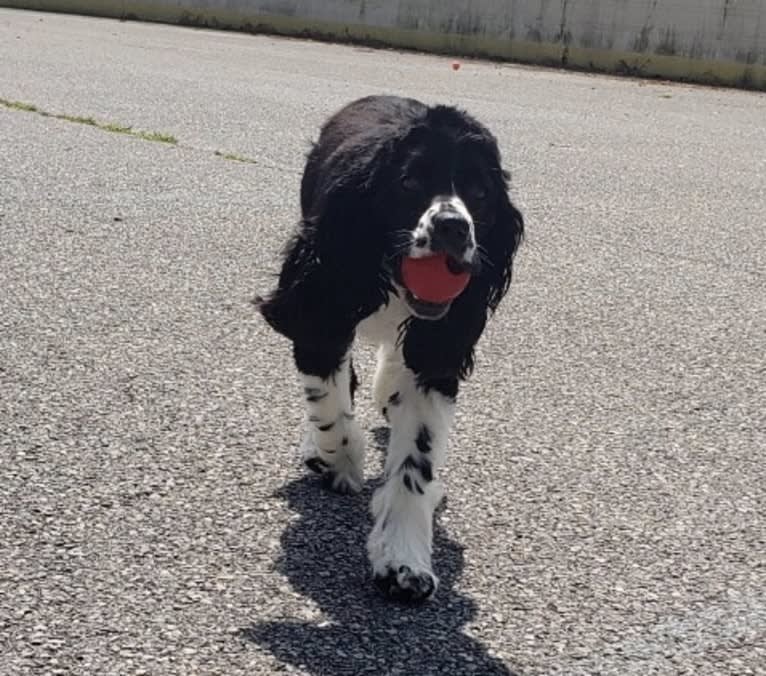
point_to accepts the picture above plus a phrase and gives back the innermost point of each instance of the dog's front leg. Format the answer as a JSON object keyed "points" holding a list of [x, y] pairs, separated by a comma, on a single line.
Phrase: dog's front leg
{"points": [[333, 445], [403, 507]]}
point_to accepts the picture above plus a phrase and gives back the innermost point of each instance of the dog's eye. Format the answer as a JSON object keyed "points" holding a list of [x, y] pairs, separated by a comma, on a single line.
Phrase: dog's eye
{"points": [[410, 184], [477, 191]]}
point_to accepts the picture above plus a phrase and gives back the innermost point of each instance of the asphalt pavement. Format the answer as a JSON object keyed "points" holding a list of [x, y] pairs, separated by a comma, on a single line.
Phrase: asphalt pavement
{"points": [[606, 484]]}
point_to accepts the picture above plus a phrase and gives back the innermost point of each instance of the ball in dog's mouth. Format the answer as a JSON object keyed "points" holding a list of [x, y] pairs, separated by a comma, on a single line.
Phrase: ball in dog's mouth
{"points": [[432, 283]]}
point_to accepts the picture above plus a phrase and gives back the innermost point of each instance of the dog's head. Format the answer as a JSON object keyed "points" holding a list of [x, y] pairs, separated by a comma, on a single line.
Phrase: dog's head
{"points": [[448, 193], [414, 180]]}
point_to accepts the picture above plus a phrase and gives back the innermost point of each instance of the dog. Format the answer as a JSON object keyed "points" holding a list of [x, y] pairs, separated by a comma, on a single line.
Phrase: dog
{"points": [[390, 178]]}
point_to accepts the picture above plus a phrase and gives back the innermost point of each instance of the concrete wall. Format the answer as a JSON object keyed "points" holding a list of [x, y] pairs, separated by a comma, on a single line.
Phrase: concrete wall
{"points": [[710, 41]]}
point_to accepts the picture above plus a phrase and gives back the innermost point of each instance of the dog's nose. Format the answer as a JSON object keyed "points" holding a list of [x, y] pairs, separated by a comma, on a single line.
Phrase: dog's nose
{"points": [[451, 233]]}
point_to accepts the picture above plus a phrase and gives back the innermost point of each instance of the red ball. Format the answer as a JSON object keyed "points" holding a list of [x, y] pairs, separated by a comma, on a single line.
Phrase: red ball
{"points": [[431, 280]]}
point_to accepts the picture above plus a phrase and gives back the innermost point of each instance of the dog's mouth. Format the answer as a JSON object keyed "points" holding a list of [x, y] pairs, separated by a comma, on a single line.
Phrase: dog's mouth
{"points": [[456, 266], [424, 309]]}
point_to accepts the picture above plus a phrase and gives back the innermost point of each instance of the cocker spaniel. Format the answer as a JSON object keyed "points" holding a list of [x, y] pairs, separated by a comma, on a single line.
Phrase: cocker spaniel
{"points": [[392, 179]]}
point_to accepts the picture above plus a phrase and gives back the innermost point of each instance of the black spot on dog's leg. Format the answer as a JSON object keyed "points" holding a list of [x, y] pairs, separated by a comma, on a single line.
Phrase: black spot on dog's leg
{"points": [[407, 482], [345, 441], [422, 465], [395, 399], [316, 465], [326, 428], [423, 442], [314, 394], [426, 469]]}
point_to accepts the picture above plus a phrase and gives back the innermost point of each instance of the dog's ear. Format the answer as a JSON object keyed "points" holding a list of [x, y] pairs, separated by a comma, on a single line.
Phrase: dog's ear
{"points": [[345, 212], [331, 272], [503, 240]]}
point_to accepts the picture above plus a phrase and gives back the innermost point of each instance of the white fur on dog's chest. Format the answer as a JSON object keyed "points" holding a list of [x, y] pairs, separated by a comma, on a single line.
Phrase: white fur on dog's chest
{"points": [[382, 327]]}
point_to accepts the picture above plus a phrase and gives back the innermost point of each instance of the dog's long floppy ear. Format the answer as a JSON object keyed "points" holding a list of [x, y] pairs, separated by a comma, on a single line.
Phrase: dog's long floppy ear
{"points": [[331, 275], [503, 238], [345, 209]]}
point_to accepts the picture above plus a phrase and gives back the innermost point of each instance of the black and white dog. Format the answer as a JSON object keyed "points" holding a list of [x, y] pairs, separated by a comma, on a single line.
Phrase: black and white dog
{"points": [[391, 177]]}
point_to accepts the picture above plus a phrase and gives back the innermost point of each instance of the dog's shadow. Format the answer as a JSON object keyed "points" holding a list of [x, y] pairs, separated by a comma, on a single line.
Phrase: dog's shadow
{"points": [[324, 558]]}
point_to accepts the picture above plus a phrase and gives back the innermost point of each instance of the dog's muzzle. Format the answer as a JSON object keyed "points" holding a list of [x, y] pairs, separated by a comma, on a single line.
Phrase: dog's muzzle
{"points": [[451, 234], [447, 227]]}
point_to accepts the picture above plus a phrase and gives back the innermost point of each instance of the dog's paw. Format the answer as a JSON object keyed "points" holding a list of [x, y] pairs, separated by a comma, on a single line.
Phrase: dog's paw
{"points": [[341, 468], [399, 582], [399, 545], [345, 483]]}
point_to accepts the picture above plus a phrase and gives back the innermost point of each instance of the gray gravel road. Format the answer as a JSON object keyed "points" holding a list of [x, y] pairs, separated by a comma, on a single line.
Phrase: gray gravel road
{"points": [[606, 486]]}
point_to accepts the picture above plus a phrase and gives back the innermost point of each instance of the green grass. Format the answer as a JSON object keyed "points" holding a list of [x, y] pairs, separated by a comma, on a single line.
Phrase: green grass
{"points": [[18, 105], [76, 119], [155, 136], [113, 127], [116, 128], [234, 158]]}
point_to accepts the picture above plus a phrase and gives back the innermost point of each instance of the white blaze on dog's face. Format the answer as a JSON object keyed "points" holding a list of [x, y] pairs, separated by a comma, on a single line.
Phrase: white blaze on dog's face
{"points": [[446, 226]]}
